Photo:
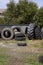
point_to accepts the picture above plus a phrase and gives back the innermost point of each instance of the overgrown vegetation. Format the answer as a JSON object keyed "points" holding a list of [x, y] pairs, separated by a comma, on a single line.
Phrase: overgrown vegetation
{"points": [[23, 12]]}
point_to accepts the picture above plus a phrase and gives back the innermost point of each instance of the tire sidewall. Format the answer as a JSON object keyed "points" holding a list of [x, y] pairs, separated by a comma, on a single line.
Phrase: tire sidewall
{"points": [[10, 32]]}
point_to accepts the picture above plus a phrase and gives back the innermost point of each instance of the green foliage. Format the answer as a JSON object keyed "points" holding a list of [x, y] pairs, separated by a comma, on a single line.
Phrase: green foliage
{"points": [[9, 13], [39, 17], [32, 11], [21, 13], [25, 11], [2, 21]]}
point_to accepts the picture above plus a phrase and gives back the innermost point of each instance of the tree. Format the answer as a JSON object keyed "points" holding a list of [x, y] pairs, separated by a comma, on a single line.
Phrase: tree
{"points": [[38, 18], [33, 8], [2, 21], [21, 13], [25, 11], [9, 13]]}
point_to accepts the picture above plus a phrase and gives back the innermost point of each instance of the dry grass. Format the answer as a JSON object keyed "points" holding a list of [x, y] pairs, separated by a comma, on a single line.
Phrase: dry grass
{"points": [[15, 55]]}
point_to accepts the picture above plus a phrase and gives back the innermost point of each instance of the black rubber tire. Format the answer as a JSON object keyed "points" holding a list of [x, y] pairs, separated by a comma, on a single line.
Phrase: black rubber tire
{"points": [[10, 36], [30, 31], [42, 33], [22, 44], [37, 33], [41, 59], [20, 36]]}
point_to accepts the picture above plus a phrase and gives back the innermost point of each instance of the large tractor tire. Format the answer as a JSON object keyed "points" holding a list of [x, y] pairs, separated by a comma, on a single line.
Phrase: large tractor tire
{"points": [[37, 33], [30, 31], [7, 33], [19, 36], [42, 33]]}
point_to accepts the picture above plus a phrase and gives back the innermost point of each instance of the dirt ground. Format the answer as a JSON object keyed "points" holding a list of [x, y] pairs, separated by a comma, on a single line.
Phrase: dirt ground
{"points": [[18, 55]]}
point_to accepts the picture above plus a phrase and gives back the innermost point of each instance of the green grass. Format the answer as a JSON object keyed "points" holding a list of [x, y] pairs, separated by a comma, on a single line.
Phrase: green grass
{"points": [[28, 55], [32, 60], [4, 58]]}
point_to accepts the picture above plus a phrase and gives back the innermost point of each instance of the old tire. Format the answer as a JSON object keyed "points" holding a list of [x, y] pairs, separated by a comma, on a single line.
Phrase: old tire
{"points": [[19, 36], [21, 44], [7, 33], [37, 33], [30, 31], [42, 33]]}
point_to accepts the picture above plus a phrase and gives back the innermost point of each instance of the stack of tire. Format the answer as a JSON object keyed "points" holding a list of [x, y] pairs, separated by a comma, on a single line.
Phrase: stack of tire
{"points": [[20, 37]]}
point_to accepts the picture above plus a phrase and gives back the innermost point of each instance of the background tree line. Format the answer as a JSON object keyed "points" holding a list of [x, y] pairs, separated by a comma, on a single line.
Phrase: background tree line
{"points": [[23, 12]]}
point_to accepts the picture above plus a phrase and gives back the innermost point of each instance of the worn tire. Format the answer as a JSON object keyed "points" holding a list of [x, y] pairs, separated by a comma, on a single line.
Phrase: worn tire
{"points": [[7, 33], [20, 36], [30, 31], [42, 33], [37, 33], [21, 44]]}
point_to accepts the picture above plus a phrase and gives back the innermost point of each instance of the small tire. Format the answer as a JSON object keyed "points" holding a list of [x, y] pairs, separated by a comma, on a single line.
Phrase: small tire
{"points": [[21, 44], [37, 33], [5, 32]]}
